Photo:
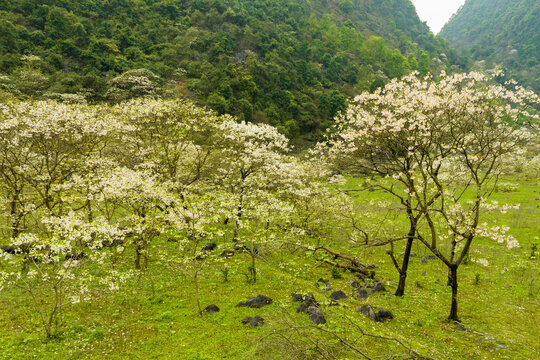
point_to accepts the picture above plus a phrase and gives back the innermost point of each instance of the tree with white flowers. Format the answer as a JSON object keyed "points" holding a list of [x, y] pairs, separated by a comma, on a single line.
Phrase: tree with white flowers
{"points": [[441, 144]]}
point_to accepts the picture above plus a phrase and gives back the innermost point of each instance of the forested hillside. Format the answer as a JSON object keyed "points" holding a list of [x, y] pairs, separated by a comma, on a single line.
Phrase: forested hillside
{"points": [[290, 63], [501, 32]]}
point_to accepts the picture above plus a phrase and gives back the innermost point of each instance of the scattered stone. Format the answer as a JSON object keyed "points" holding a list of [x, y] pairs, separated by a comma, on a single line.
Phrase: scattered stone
{"points": [[227, 253], [256, 302], [367, 310], [362, 293], [209, 247], [425, 258], [327, 282], [412, 254], [308, 300], [461, 328], [315, 315], [253, 321], [297, 297], [338, 295], [377, 287], [372, 266], [211, 309], [355, 284], [324, 281], [384, 314], [424, 273]]}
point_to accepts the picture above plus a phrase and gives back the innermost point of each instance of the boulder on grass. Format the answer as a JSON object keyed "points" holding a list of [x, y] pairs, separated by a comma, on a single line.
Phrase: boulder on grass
{"points": [[256, 302], [308, 300], [209, 247], [253, 321], [361, 293], [315, 315], [384, 314], [367, 310], [338, 295], [211, 309]]}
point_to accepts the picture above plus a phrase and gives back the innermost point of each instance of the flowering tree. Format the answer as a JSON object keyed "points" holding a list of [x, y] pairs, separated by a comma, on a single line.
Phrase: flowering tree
{"points": [[43, 146], [443, 143], [55, 272]]}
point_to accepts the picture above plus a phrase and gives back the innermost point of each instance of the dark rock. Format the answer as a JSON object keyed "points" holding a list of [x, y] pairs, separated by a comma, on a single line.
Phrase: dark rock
{"points": [[297, 297], [412, 254], [211, 309], [256, 302], [425, 258], [307, 301], [362, 293], [384, 314], [327, 282], [367, 310], [377, 287], [338, 295], [372, 266], [227, 253], [324, 281], [317, 285], [461, 328], [209, 247], [315, 315], [424, 273], [355, 284], [253, 321]]}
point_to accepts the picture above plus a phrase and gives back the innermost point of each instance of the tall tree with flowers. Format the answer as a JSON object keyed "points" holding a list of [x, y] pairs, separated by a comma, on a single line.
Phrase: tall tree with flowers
{"points": [[442, 144]]}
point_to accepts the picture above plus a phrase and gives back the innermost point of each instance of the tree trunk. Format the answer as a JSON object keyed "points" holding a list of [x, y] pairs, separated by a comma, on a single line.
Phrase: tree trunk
{"points": [[15, 218], [253, 269], [406, 256], [453, 282], [138, 257], [196, 281]]}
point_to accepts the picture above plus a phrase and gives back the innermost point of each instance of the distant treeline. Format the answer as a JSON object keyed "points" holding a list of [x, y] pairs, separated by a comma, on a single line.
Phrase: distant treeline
{"points": [[289, 63]]}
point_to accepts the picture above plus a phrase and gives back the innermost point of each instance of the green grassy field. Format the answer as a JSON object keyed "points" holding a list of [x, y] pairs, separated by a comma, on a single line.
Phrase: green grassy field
{"points": [[499, 305]]}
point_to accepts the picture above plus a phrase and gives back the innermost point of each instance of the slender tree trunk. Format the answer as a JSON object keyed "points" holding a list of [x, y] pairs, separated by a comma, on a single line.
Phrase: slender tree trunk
{"points": [[196, 281], [253, 269], [453, 282], [406, 256], [138, 257], [15, 218]]}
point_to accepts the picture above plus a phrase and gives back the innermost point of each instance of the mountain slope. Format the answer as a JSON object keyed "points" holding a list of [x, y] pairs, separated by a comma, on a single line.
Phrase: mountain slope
{"points": [[291, 63], [503, 32]]}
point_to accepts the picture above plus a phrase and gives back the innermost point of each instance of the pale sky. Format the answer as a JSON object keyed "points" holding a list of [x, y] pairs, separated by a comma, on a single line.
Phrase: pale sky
{"points": [[436, 12]]}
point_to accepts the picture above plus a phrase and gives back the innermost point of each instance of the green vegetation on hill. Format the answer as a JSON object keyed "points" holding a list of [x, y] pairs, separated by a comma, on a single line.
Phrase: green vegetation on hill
{"points": [[290, 63], [500, 32]]}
